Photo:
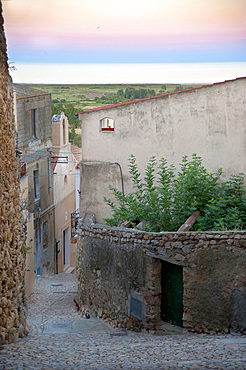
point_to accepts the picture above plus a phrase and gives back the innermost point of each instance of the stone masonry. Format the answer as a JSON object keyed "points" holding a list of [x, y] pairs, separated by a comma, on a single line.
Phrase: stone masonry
{"points": [[116, 264], [12, 259]]}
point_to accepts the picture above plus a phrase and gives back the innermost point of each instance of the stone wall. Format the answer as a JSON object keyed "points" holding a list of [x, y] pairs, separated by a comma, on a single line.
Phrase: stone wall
{"points": [[44, 128], [115, 265], [12, 260]]}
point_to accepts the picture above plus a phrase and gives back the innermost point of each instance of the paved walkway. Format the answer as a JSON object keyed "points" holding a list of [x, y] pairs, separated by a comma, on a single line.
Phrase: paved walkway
{"points": [[60, 339]]}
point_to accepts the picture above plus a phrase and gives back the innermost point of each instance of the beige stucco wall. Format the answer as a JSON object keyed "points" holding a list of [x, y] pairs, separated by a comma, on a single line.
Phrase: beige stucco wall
{"points": [[64, 187], [209, 121], [63, 211], [60, 134], [94, 182], [64, 176]]}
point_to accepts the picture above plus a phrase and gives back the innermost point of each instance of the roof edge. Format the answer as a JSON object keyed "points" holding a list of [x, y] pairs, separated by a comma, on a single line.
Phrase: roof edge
{"points": [[155, 97]]}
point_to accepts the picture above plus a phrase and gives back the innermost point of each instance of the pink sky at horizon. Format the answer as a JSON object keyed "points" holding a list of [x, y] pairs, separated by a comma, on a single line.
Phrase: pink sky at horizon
{"points": [[156, 31]]}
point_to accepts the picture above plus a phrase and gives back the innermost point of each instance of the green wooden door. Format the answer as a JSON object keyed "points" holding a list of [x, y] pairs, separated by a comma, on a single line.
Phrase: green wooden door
{"points": [[172, 293]]}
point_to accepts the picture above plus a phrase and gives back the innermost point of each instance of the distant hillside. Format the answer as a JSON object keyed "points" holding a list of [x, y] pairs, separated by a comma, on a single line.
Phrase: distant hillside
{"points": [[84, 97], [72, 99]]}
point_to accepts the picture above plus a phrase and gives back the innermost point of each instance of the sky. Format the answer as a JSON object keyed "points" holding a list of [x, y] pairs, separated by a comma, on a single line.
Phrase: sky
{"points": [[125, 32]]}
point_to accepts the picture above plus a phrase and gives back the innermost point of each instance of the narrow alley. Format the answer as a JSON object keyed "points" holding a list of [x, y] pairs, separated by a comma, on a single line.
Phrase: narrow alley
{"points": [[60, 338]]}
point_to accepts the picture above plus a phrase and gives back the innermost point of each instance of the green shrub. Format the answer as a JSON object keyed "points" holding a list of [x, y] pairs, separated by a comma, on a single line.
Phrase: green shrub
{"points": [[164, 201]]}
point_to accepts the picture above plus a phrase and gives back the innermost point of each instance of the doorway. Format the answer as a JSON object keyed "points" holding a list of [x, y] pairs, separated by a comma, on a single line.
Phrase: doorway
{"points": [[172, 293], [66, 247]]}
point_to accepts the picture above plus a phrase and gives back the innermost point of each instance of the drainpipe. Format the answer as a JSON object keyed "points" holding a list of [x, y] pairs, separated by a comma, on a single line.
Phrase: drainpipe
{"points": [[122, 182], [49, 169]]}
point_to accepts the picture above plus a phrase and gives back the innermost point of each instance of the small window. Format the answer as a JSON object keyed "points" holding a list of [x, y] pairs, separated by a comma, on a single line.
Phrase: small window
{"points": [[107, 124], [36, 184], [34, 117]]}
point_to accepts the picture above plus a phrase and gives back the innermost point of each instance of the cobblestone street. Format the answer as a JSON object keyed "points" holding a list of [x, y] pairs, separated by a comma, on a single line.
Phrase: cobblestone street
{"points": [[60, 338]]}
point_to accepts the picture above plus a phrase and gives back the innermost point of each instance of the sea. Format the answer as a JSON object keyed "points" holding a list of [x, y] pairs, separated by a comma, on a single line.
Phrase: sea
{"points": [[158, 73]]}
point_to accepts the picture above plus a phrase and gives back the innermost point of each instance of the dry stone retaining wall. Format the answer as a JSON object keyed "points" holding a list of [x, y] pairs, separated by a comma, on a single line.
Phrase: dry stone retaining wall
{"points": [[115, 265], [12, 260]]}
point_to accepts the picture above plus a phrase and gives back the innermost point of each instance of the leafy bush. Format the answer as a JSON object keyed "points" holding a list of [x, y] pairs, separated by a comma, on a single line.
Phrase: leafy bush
{"points": [[69, 111], [228, 210], [74, 138], [164, 201]]}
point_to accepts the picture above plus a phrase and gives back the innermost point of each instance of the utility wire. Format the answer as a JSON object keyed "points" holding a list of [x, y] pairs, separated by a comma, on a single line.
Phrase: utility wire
{"points": [[55, 174], [48, 150], [57, 162]]}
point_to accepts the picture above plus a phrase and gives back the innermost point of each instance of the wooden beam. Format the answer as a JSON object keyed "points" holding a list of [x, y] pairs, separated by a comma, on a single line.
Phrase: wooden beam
{"points": [[190, 221]]}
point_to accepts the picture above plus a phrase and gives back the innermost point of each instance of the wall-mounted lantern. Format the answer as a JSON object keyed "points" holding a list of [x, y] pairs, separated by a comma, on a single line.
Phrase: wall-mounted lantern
{"points": [[37, 211]]}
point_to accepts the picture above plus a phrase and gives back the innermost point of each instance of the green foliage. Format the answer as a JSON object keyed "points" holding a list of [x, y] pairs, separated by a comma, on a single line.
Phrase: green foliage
{"points": [[163, 89], [228, 210], [25, 249], [77, 141], [164, 201], [84, 97], [179, 88], [193, 188], [129, 94], [69, 111], [74, 138]]}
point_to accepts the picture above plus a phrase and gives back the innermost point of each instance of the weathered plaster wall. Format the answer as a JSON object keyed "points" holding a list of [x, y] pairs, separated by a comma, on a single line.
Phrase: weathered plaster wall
{"points": [[209, 121], [60, 135], [23, 110], [12, 260], [44, 255], [65, 176], [41, 163], [95, 179], [64, 188], [114, 264], [63, 211]]}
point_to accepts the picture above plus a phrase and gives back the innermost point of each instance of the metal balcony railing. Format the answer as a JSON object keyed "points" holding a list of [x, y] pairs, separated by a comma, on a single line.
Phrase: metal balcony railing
{"points": [[74, 223]]}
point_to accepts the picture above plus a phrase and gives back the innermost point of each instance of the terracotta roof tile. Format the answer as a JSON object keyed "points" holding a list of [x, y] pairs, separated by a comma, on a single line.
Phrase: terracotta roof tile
{"points": [[77, 152]]}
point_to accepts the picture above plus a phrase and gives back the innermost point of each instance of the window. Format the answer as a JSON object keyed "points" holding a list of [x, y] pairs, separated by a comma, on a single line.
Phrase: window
{"points": [[64, 132], [45, 235], [23, 170], [36, 184], [107, 124], [34, 118]]}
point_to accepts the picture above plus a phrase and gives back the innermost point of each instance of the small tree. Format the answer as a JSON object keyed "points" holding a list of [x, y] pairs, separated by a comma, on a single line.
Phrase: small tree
{"points": [[165, 201], [193, 188]]}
